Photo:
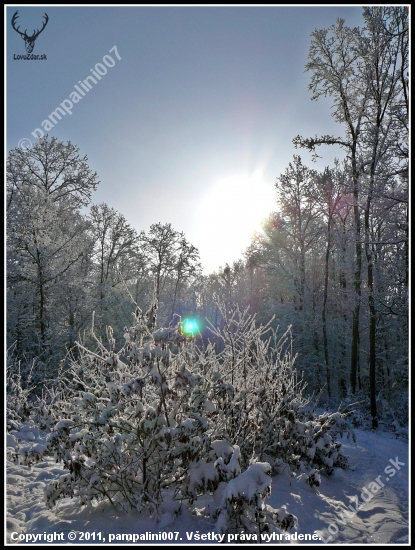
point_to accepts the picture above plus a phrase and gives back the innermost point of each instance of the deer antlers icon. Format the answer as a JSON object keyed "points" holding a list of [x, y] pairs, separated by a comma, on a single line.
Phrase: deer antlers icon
{"points": [[29, 41]]}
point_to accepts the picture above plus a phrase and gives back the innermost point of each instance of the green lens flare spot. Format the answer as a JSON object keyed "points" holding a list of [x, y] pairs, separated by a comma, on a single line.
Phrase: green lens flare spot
{"points": [[191, 327]]}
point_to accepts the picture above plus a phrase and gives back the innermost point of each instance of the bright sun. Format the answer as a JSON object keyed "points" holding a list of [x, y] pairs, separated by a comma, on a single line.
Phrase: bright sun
{"points": [[228, 215]]}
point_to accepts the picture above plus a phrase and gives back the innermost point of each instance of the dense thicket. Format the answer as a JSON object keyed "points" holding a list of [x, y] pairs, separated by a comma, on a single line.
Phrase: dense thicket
{"points": [[168, 418], [332, 263]]}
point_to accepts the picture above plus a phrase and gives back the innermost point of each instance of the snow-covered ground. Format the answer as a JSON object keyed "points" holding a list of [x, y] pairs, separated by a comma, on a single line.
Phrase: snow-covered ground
{"points": [[376, 484]]}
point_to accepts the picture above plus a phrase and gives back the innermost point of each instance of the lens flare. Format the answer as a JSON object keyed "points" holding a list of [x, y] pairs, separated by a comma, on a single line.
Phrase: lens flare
{"points": [[191, 327]]}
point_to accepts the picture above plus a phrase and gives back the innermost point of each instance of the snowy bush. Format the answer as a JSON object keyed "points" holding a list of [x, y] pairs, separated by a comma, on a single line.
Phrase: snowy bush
{"points": [[47, 406], [243, 508], [244, 500], [165, 413], [266, 413], [18, 391], [29, 395], [314, 478]]}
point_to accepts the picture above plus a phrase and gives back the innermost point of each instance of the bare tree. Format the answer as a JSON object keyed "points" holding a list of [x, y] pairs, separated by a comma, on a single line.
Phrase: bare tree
{"points": [[115, 255], [170, 258], [334, 61], [46, 234]]}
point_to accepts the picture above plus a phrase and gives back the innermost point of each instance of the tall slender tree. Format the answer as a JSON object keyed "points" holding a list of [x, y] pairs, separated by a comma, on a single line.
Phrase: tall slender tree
{"points": [[363, 71]]}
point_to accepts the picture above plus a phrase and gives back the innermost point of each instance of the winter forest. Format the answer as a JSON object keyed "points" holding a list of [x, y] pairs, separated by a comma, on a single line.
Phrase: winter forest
{"points": [[158, 390]]}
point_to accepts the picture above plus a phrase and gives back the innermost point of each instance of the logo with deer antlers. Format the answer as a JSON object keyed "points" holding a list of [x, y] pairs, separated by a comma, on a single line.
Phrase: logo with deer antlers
{"points": [[29, 41]]}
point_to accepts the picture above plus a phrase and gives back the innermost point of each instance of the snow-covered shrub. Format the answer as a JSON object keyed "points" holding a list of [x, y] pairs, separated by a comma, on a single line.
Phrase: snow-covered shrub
{"points": [[135, 422], [244, 501], [47, 406], [29, 395], [316, 445], [243, 508], [30, 454], [170, 413], [221, 464], [266, 413], [18, 393], [392, 407], [314, 478]]}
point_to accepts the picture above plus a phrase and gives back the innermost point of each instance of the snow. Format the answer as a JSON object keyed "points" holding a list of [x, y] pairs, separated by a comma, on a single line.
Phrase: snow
{"points": [[11, 441], [64, 423], [251, 482], [222, 448], [88, 397], [201, 474], [379, 461]]}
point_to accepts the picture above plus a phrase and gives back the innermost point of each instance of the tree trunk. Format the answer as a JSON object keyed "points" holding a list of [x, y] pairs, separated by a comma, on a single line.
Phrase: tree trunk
{"points": [[176, 292], [326, 283], [357, 276], [372, 311], [42, 303]]}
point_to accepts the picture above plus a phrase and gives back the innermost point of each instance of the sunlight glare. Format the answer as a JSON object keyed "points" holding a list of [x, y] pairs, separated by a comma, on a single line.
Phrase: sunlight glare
{"points": [[228, 216]]}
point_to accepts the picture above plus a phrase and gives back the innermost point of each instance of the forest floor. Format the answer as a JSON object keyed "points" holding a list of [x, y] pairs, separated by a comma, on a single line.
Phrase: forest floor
{"points": [[340, 511]]}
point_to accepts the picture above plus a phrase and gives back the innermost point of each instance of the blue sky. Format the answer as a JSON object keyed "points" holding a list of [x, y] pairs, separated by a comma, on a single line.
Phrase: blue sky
{"points": [[194, 122]]}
